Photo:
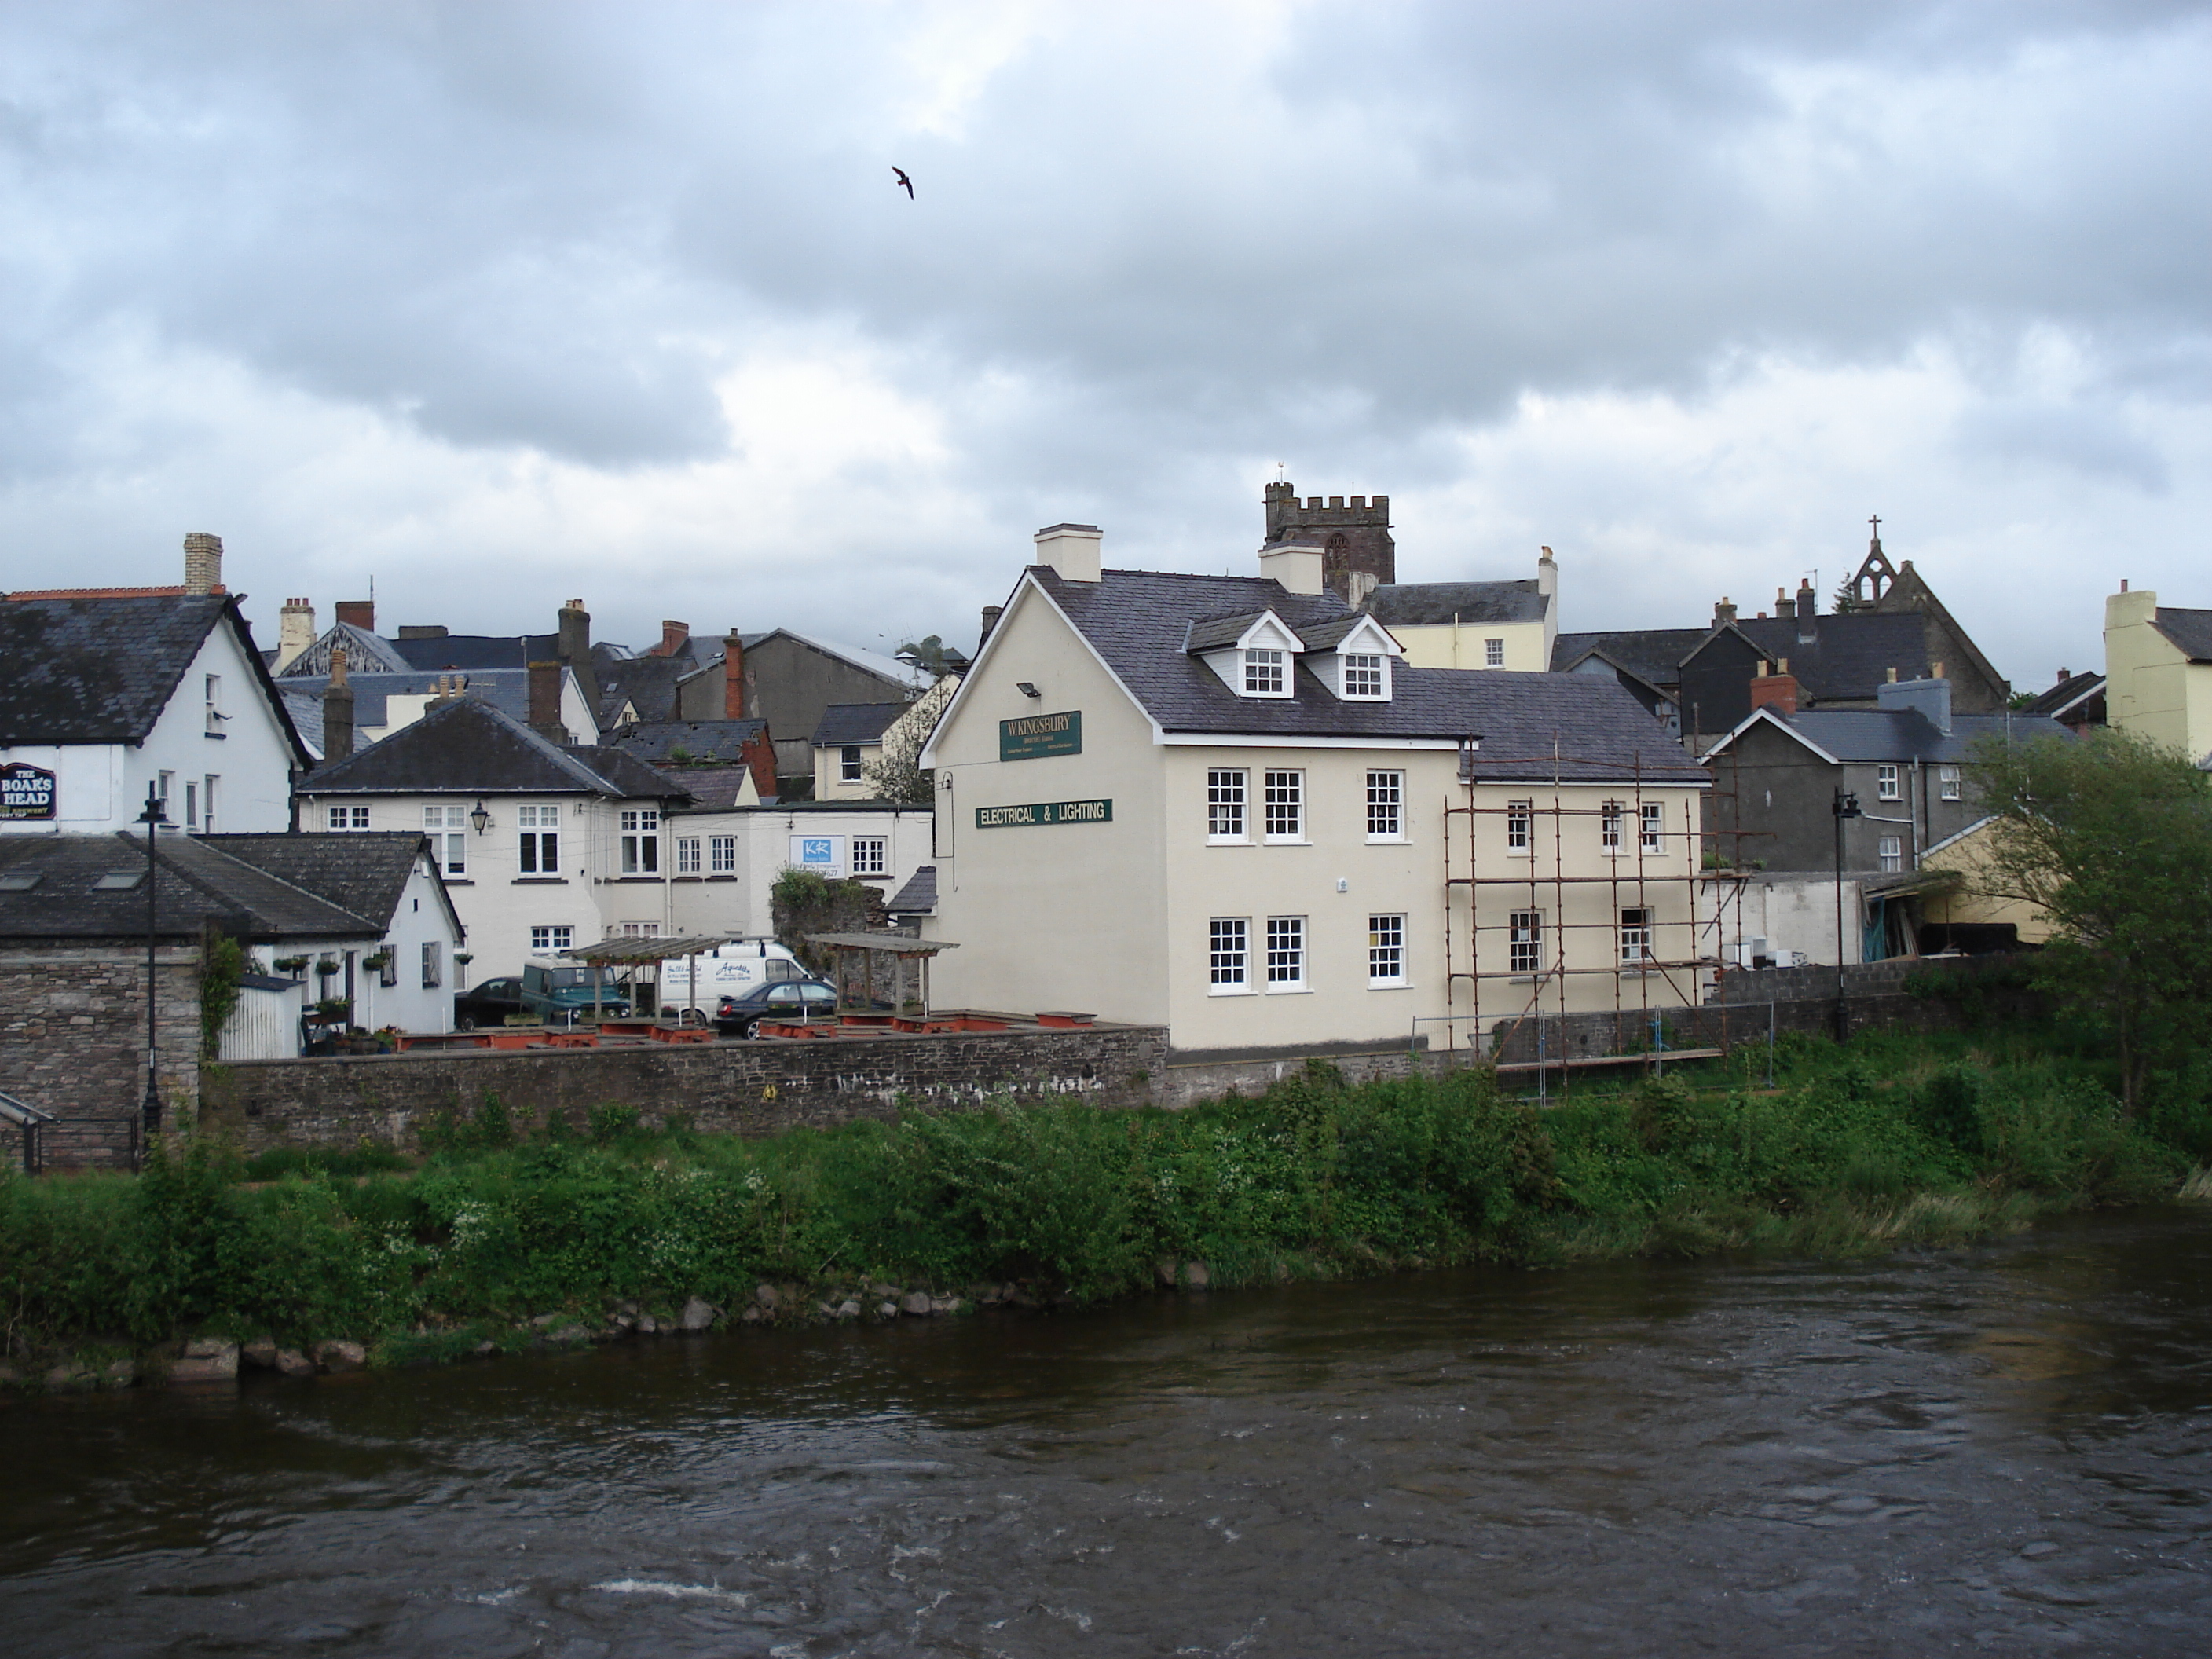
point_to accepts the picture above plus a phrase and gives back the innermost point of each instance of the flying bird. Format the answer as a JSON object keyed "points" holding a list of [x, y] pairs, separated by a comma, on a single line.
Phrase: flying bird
{"points": [[905, 182]]}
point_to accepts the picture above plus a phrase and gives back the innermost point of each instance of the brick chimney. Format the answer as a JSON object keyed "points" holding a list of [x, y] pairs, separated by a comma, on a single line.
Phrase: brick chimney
{"points": [[203, 564], [1809, 609], [733, 676], [674, 636], [575, 650], [1724, 612], [545, 701], [358, 613], [295, 632], [991, 615], [1777, 691], [338, 710]]}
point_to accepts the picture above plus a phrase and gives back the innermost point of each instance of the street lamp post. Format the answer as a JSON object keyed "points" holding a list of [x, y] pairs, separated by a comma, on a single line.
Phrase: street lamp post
{"points": [[150, 1113], [1846, 806]]}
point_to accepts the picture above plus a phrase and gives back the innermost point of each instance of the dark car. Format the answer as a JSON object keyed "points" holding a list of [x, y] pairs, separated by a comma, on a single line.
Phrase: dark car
{"points": [[741, 1013], [490, 1004]]}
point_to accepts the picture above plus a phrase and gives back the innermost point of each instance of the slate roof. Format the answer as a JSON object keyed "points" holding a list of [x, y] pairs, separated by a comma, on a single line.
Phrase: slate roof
{"points": [[1420, 603], [508, 688], [365, 871], [654, 742], [2063, 696], [97, 670], [468, 747], [1136, 620], [365, 653], [197, 881], [712, 788], [1654, 655], [1857, 736], [1850, 654], [918, 896], [2190, 630], [856, 722], [647, 683]]}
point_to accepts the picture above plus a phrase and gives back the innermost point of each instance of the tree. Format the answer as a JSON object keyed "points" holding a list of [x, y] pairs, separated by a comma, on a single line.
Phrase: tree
{"points": [[2111, 836], [928, 653]]}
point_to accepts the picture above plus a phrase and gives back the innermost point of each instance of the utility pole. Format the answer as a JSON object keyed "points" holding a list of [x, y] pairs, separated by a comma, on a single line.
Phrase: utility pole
{"points": [[1846, 806]]}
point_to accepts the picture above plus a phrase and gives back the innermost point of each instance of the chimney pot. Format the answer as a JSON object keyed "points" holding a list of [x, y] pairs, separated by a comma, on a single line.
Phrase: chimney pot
{"points": [[202, 562]]}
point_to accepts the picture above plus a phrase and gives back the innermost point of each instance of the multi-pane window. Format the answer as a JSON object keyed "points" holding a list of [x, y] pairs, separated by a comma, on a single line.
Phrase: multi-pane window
{"points": [[1524, 937], [545, 940], [1286, 953], [433, 964], [448, 828], [1285, 806], [1224, 803], [166, 790], [640, 929], [345, 817], [1386, 950], [207, 802], [1231, 952], [1386, 807], [1890, 849], [1885, 782], [1493, 653], [1651, 831], [848, 763], [1363, 674], [721, 855], [868, 855], [1947, 782], [540, 848], [1517, 815], [191, 807], [640, 842], [389, 973], [687, 855], [1635, 936], [215, 714], [1608, 826], [1263, 673]]}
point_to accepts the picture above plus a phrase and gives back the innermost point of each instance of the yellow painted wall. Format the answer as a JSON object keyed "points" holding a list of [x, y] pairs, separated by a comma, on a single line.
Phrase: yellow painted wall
{"points": [[2151, 688], [1460, 645], [1969, 855]]}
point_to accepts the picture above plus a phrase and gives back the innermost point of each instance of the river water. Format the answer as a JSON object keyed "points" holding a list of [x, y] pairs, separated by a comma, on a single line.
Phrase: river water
{"points": [[2006, 1450]]}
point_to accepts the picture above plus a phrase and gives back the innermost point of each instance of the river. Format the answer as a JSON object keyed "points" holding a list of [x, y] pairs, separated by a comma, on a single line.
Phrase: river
{"points": [[2006, 1449]]}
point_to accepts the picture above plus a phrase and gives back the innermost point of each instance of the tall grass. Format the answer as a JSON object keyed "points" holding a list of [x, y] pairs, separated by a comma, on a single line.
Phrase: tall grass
{"points": [[1893, 1141]]}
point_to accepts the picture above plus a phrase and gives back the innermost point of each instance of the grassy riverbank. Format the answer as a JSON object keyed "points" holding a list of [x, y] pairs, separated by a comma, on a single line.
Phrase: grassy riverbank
{"points": [[1895, 1140]]}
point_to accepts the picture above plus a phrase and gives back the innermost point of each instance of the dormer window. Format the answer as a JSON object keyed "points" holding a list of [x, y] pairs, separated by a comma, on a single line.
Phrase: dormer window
{"points": [[1263, 673], [1351, 656], [1362, 674]]}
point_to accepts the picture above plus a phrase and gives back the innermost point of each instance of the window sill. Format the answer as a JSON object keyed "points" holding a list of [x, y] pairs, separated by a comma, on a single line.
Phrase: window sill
{"points": [[1290, 990], [618, 881], [459, 881], [1287, 841], [1389, 841], [220, 737], [721, 877], [1231, 991], [1389, 984], [1228, 840], [539, 881]]}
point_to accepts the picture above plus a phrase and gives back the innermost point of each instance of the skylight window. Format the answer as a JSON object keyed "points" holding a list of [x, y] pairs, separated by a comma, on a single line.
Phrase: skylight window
{"points": [[18, 881], [118, 881]]}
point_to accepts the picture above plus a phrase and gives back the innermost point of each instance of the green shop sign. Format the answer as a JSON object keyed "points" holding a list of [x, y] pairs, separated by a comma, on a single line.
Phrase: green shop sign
{"points": [[1050, 811], [1040, 734]]}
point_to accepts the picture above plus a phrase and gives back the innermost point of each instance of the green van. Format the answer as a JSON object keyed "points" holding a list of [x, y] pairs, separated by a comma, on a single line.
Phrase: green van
{"points": [[558, 992]]}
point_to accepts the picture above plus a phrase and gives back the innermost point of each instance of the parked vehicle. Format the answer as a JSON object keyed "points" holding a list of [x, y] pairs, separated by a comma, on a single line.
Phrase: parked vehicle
{"points": [[740, 1013], [726, 970], [557, 992], [490, 1004]]}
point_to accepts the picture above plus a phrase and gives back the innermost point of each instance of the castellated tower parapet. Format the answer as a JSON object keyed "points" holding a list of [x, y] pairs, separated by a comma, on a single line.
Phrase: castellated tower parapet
{"points": [[1353, 534]]}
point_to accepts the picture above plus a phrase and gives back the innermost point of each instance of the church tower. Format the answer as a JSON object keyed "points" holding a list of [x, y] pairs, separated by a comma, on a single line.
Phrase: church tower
{"points": [[1354, 537]]}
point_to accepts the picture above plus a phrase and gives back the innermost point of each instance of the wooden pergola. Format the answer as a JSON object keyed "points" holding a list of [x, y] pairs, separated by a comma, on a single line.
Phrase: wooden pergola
{"points": [[868, 947], [635, 953]]}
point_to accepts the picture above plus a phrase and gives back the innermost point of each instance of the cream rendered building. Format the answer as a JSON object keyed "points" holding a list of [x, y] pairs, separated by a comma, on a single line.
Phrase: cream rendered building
{"points": [[2158, 671], [1490, 625], [1220, 803]]}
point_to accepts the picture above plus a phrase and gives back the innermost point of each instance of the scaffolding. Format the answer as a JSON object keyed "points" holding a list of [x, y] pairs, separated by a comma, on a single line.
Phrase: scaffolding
{"points": [[1511, 928]]}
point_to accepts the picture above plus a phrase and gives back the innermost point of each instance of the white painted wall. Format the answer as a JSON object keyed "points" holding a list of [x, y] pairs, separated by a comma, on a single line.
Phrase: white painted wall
{"points": [[1794, 913], [739, 902]]}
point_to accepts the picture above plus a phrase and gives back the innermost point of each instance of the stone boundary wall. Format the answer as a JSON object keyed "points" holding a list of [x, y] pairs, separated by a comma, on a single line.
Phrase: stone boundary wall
{"points": [[73, 1042], [1815, 980], [732, 1088], [1720, 1025]]}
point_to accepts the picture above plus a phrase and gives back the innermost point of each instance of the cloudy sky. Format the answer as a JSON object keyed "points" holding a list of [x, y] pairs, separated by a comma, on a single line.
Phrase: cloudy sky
{"points": [[504, 304]]}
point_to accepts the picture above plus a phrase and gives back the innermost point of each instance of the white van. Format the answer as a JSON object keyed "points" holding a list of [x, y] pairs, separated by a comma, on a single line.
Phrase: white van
{"points": [[726, 970]]}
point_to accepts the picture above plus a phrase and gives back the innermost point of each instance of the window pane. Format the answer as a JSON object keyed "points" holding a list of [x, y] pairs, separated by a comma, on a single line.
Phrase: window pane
{"points": [[1386, 949], [1285, 805], [1363, 675], [1653, 831], [1635, 936], [1516, 826], [1493, 653], [1386, 793], [1230, 934], [1224, 803], [1525, 941], [1287, 950], [1263, 671]]}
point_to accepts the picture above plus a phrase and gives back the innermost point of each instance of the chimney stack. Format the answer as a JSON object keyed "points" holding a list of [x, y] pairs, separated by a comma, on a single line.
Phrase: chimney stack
{"points": [[575, 650], [203, 564], [1808, 607], [1785, 606], [1300, 567], [1071, 549], [1724, 612], [991, 615], [338, 710], [733, 676], [1547, 574], [674, 636], [1777, 691], [295, 632], [358, 613], [545, 701]]}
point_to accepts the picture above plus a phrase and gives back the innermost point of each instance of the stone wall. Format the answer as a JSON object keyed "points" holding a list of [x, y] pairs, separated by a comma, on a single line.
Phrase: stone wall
{"points": [[740, 1088], [1815, 980], [73, 1042]]}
